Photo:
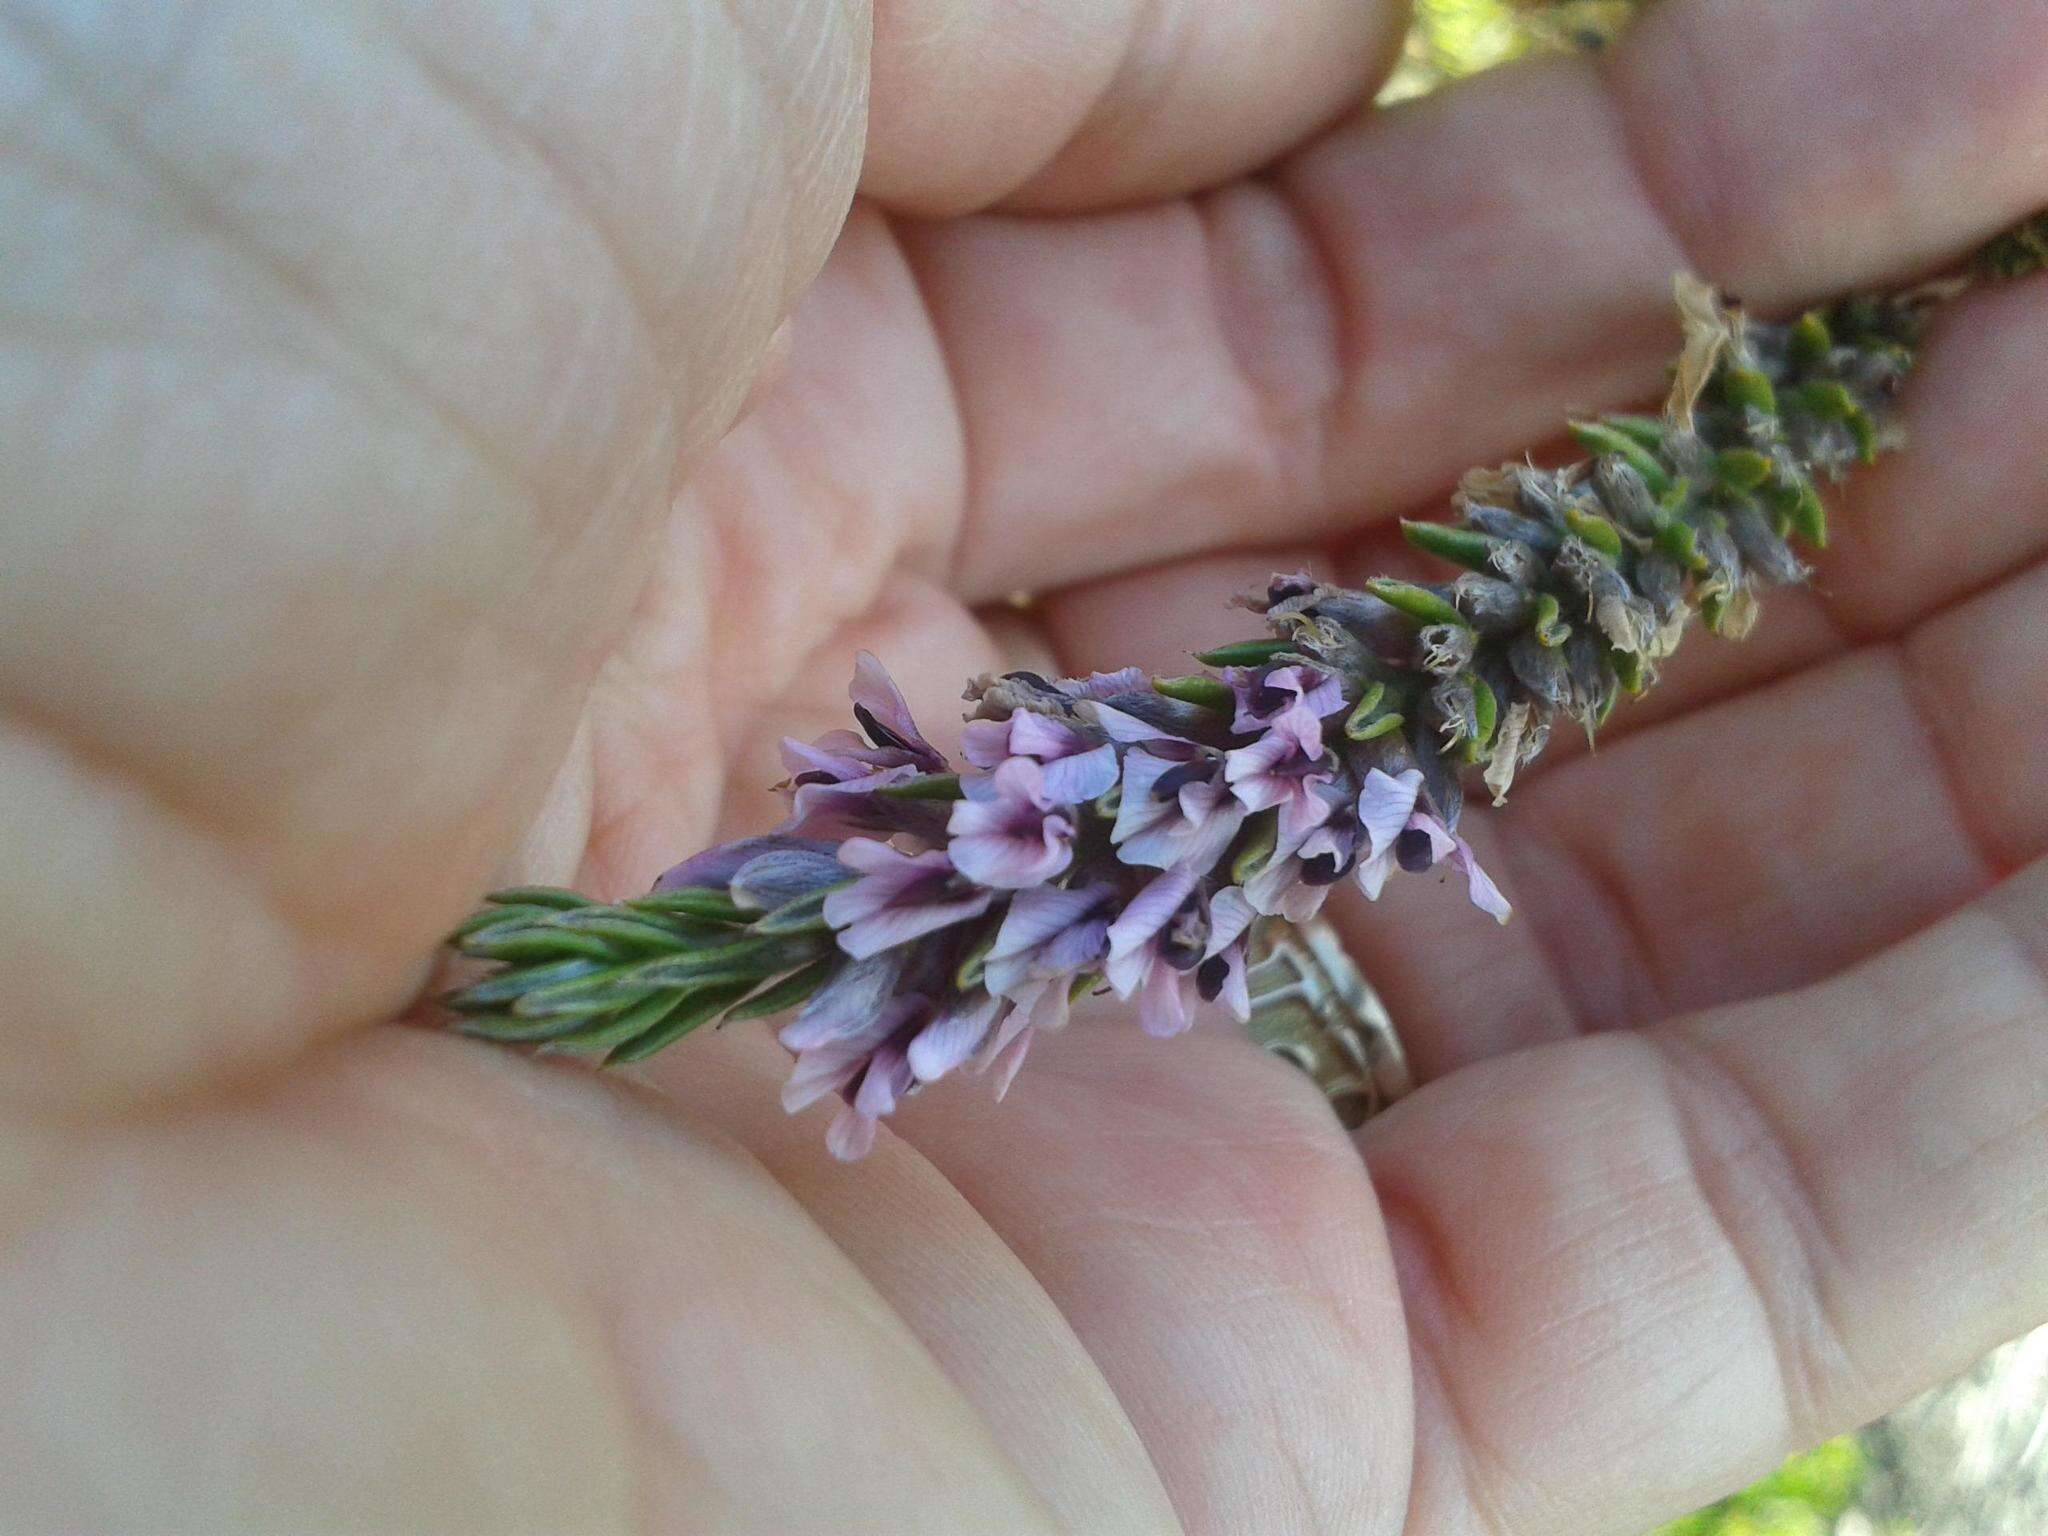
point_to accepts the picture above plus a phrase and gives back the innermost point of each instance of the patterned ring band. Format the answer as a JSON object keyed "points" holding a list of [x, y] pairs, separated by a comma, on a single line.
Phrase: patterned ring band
{"points": [[1311, 1005]]}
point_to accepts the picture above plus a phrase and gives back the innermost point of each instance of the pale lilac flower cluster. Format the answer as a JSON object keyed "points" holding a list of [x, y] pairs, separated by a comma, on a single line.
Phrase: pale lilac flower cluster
{"points": [[1101, 836]]}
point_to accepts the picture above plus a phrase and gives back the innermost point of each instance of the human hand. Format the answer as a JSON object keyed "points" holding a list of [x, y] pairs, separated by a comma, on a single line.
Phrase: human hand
{"points": [[368, 382]]}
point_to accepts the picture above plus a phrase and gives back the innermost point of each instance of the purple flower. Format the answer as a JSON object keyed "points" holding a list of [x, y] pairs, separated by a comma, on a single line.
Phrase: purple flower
{"points": [[1221, 975], [1155, 946], [1294, 885], [874, 1066], [1279, 770], [899, 897], [1400, 832], [834, 779], [1288, 700], [1078, 765], [879, 706], [1007, 832], [1175, 808]]}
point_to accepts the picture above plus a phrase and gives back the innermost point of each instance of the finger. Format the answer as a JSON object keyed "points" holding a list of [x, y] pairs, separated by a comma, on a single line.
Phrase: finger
{"points": [[1757, 845], [1725, 1239], [1297, 355], [465, 1292], [1068, 105], [969, 1300], [365, 433], [1196, 1213]]}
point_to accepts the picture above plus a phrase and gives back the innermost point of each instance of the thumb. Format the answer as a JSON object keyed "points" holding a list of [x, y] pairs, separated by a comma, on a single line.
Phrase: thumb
{"points": [[330, 493]]}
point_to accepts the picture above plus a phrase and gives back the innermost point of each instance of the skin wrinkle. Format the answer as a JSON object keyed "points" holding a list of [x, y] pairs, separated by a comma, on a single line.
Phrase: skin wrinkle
{"points": [[207, 218], [1806, 1342]]}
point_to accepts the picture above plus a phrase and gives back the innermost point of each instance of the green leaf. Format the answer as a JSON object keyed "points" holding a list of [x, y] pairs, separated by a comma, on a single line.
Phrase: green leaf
{"points": [[785, 994], [1596, 437], [539, 896], [1486, 705], [1362, 712], [1747, 387], [604, 1033], [1208, 692], [1810, 517], [499, 991], [967, 976], [932, 786], [629, 933], [586, 996], [1595, 530], [806, 914], [1417, 602], [697, 1009], [1810, 342], [1460, 546], [693, 901], [538, 942], [1827, 399], [1742, 470], [510, 1029], [1645, 431], [1548, 624], [1255, 845], [1245, 653], [1628, 670], [1677, 539], [759, 958], [1375, 728], [497, 917]]}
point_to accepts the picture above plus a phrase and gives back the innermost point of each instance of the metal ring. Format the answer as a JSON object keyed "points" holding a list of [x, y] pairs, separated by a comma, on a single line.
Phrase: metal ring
{"points": [[1311, 1004]]}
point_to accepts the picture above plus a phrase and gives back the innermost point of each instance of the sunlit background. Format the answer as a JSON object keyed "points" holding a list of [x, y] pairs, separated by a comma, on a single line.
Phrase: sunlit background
{"points": [[1970, 1459]]}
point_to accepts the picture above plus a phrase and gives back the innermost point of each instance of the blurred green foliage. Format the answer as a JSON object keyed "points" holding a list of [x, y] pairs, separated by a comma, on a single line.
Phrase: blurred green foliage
{"points": [[1451, 38], [1802, 1498]]}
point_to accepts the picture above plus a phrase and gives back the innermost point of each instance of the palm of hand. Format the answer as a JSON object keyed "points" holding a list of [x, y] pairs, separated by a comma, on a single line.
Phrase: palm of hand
{"points": [[408, 1281]]}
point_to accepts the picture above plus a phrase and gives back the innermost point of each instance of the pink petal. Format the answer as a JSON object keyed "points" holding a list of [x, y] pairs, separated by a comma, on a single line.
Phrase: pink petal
{"points": [[900, 924], [1041, 736], [1485, 894], [950, 1038], [1008, 1060], [1373, 871], [1384, 806], [875, 691], [1163, 1002], [1150, 910], [851, 1136], [1038, 915], [985, 743], [1010, 862], [1082, 776], [1258, 759], [1230, 914]]}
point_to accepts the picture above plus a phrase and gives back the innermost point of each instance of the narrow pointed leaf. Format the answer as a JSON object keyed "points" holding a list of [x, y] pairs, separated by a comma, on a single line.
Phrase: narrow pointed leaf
{"points": [[1417, 602], [1245, 653], [535, 943], [693, 901], [1460, 546], [793, 989], [553, 896], [1596, 437], [932, 786], [501, 990], [1208, 692], [698, 1009]]}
